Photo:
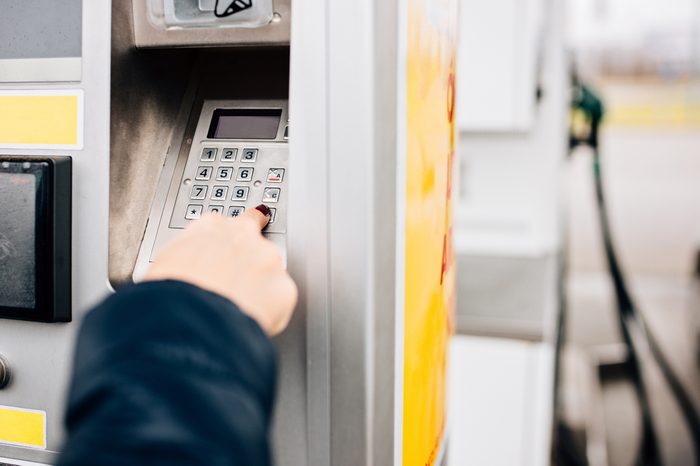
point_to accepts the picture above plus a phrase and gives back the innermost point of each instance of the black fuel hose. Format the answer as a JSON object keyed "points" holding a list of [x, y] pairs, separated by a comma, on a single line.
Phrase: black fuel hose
{"points": [[635, 330], [636, 334]]}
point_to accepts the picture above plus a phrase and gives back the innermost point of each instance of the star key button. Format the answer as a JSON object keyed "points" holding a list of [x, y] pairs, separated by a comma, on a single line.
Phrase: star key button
{"points": [[194, 211]]}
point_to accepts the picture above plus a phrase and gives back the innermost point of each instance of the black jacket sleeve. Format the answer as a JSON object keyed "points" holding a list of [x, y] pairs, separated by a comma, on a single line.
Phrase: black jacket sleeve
{"points": [[169, 374]]}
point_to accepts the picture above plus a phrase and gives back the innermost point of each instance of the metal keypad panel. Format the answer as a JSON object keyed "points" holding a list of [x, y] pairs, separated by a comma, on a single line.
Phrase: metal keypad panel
{"points": [[228, 178], [206, 174]]}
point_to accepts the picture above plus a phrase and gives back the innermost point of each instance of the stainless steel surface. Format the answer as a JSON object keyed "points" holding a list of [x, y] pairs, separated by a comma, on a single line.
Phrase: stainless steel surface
{"points": [[250, 173], [148, 90], [343, 158], [308, 254], [41, 354], [146, 34], [388, 363], [5, 372]]}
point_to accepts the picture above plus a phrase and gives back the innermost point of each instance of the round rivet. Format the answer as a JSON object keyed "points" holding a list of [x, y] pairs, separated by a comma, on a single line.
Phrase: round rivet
{"points": [[5, 373]]}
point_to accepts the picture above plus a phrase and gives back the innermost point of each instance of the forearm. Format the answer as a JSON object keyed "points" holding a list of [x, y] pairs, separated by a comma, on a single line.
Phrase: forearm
{"points": [[166, 373]]}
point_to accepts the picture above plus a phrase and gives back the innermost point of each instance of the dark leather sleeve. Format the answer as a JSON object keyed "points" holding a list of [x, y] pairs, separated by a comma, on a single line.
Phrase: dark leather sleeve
{"points": [[168, 374]]}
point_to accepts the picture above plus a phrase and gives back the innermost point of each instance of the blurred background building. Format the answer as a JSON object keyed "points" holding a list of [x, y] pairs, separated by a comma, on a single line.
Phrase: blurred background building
{"points": [[528, 210]]}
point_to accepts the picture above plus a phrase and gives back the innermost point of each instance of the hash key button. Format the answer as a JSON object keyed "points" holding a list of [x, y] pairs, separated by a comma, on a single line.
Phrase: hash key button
{"points": [[275, 175], [235, 211], [271, 195]]}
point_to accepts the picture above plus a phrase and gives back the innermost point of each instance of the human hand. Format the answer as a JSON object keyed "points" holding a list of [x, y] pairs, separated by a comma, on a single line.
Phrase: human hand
{"points": [[232, 258]]}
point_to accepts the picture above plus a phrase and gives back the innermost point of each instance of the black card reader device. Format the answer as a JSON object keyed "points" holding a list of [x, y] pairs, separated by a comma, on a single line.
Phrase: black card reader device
{"points": [[35, 238]]}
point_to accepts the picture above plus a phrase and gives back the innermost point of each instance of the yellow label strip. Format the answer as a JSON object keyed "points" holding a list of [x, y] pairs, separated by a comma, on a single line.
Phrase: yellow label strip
{"points": [[25, 427], [41, 119]]}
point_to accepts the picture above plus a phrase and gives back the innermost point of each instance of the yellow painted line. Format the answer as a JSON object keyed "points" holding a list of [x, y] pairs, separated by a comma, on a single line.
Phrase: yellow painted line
{"points": [[671, 115], [24, 427], [42, 119]]}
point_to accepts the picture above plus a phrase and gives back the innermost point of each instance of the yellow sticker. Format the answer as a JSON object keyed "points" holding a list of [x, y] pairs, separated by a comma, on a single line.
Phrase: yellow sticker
{"points": [[25, 427], [41, 119]]}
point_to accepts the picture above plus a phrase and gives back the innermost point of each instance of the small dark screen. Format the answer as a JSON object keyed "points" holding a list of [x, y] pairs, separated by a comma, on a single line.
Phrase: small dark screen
{"points": [[17, 240], [245, 124]]}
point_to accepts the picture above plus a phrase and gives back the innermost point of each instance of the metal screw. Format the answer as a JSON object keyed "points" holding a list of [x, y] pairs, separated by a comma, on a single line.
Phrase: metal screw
{"points": [[5, 373]]}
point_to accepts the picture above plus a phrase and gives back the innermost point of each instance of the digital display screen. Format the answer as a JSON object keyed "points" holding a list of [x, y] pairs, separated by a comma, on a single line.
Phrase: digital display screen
{"points": [[245, 124], [18, 240]]}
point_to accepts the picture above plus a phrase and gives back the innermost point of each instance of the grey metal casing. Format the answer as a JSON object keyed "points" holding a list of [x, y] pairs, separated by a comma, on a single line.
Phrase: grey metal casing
{"points": [[335, 405], [41, 354]]}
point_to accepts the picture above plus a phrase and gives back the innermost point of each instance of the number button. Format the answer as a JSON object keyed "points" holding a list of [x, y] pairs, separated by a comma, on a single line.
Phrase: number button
{"points": [[208, 154], [275, 175], [198, 192], [228, 155], [218, 193], [235, 211], [203, 173], [271, 195], [216, 209], [240, 193], [194, 211], [249, 155], [224, 173], [245, 174]]}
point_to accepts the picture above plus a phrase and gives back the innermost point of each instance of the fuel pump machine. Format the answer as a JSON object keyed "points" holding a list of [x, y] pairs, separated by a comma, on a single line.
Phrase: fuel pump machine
{"points": [[122, 122]]}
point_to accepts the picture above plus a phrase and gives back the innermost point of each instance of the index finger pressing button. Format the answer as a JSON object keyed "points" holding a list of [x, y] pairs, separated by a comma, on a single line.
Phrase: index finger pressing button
{"points": [[260, 215]]}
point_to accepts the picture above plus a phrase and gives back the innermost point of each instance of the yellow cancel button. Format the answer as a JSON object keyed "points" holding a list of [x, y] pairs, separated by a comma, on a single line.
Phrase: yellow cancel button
{"points": [[24, 427]]}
